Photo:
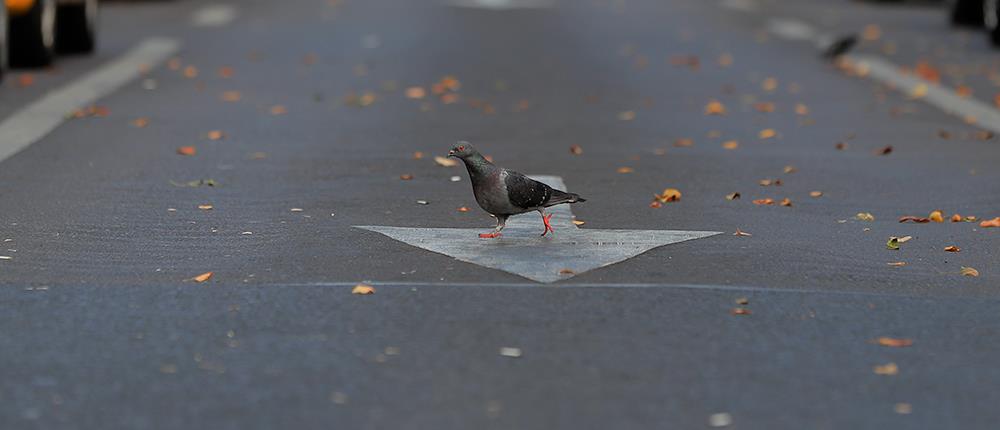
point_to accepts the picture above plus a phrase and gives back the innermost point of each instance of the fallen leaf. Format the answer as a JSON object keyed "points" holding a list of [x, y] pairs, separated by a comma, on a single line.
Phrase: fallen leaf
{"points": [[363, 289], [450, 98], [416, 92], [886, 369], [740, 311], [786, 202], [815, 194], [625, 170], [763, 202], [894, 342], [715, 107], [918, 220], [225, 72], [668, 195], [743, 301], [463, 209], [903, 408], [952, 248], [766, 107], [919, 91], [995, 222], [206, 207], [865, 216], [627, 115], [726, 60], [655, 204], [767, 133], [202, 277], [790, 169], [936, 216], [969, 271], [575, 150], [769, 84], [897, 264], [566, 272], [578, 222], [190, 72], [885, 150], [956, 218], [731, 144], [683, 142], [741, 233], [904, 239], [445, 162], [733, 196], [187, 150], [216, 135], [406, 176], [278, 110], [801, 109], [140, 122], [231, 96], [892, 243]]}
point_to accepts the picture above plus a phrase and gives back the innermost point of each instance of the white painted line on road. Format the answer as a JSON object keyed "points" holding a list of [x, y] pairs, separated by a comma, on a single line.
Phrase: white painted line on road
{"points": [[502, 4], [568, 252], [740, 5], [34, 121], [215, 15], [944, 98]]}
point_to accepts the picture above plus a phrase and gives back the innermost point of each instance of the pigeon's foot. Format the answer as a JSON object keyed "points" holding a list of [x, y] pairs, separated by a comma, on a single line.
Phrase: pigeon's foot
{"points": [[493, 235], [548, 227]]}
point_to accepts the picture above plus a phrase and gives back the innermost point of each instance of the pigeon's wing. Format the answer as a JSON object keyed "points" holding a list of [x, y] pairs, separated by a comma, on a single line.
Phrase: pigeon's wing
{"points": [[524, 192]]}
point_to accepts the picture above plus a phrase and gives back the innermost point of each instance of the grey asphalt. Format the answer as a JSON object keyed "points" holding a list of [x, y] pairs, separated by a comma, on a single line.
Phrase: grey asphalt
{"points": [[99, 328]]}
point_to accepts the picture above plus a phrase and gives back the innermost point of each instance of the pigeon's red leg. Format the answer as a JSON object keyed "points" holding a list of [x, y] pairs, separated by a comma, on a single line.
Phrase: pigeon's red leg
{"points": [[548, 227], [501, 222]]}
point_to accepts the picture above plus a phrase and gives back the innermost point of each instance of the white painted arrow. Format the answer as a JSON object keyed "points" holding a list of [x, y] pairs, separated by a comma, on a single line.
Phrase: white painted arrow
{"points": [[522, 251]]}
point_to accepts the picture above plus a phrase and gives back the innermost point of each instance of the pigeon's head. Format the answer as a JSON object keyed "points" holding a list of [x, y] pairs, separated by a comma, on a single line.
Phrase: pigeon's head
{"points": [[462, 150]]}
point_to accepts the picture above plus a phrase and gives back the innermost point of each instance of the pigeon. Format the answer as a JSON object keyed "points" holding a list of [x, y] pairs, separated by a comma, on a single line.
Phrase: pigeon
{"points": [[503, 192]]}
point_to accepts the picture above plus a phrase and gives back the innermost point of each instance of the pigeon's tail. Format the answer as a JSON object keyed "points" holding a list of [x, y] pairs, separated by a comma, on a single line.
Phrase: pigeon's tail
{"points": [[560, 197]]}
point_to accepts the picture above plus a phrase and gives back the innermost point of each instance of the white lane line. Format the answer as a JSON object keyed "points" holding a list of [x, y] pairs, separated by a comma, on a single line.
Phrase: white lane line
{"points": [[740, 5], [943, 98], [502, 4], [215, 15], [34, 121]]}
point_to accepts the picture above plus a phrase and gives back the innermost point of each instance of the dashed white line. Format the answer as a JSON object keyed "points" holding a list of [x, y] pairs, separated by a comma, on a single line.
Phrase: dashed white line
{"points": [[215, 15], [34, 121], [791, 29], [502, 4]]}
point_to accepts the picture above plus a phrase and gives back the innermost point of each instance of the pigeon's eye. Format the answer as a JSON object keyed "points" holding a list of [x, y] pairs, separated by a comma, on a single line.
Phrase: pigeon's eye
{"points": [[461, 148]]}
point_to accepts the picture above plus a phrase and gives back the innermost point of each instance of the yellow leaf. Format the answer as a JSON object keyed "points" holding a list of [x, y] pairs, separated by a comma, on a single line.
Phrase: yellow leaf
{"points": [[730, 144], [206, 207], [767, 133], [714, 107], [968, 271], [936, 216], [886, 369], [363, 289], [202, 277], [669, 195], [625, 170]]}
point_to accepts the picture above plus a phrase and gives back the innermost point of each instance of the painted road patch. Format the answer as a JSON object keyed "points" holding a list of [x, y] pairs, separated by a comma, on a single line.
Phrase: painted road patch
{"points": [[521, 250]]}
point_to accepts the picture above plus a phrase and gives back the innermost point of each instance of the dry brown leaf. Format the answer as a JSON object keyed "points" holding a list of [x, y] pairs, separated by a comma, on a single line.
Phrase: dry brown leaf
{"points": [[202, 277], [406, 177], [683, 142], [786, 202], [766, 107], [566, 272], [626, 115], [216, 135], [715, 107], [206, 207], [668, 195], [952, 248], [885, 150], [741, 233], [740, 311], [995, 222], [625, 170], [655, 204], [278, 110], [763, 202], [910, 218], [743, 301], [801, 109], [956, 218], [769, 84], [578, 222], [231, 96], [790, 169], [450, 98], [187, 150], [226, 72], [416, 93], [575, 149], [463, 209], [190, 72], [897, 264], [886, 369], [363, 289], [767, 133], [141, 122], [936, 216], [969, 271], [865, 216], [731, 144], [445, 162], [894, 342], [733, 196], [815, 194], [725, 60]]}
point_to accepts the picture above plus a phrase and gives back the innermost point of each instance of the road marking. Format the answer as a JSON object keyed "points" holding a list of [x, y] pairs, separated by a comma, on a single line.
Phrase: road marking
{"points": [[501, 4], [36, 120], [942, 97], [521, 251], [215, 15]]}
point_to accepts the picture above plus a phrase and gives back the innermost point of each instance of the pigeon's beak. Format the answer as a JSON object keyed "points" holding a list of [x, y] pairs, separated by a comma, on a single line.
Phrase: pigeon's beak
{"points": [[451, 153]]}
